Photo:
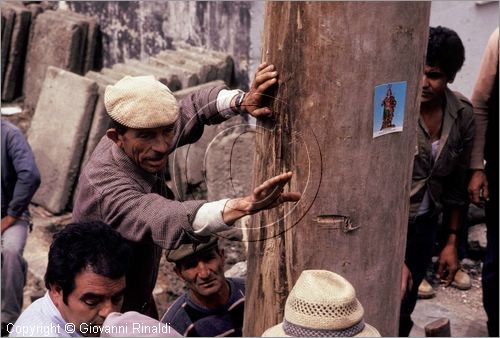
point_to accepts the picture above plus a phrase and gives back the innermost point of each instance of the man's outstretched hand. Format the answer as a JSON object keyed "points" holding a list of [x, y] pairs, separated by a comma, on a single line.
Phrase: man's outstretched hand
{"points": [[265, 77], [268, 195]]}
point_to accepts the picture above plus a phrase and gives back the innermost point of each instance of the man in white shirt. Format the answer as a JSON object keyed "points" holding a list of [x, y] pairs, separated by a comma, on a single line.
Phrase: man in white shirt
{"points": [[85, 279]]}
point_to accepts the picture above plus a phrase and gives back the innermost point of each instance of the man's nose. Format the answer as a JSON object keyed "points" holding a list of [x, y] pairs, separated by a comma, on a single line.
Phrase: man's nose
{"points": [[203, 271], [161, 144], [425, 81], [106, 308]]}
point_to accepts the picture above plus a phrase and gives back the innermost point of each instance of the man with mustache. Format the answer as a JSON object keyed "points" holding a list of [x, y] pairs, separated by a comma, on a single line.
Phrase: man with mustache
{"points": [[85, 279], [124, 185], [439, 181], [213, 305]]}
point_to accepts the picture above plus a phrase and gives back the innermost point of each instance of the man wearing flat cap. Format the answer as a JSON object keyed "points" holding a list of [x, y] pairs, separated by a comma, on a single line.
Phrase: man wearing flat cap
{"points": [[213, 305], [123, 183]]}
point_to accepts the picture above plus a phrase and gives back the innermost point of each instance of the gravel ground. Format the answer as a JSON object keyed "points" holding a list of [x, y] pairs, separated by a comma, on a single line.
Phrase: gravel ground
{"points": [[464, 309]]}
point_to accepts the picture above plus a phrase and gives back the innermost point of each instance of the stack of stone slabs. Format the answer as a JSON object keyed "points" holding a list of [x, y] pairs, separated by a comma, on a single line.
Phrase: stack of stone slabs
{"points": [[14, 43], [223, 62], [188, 77], [206, 71], [138, 69], [58, 134], [59, 39]]}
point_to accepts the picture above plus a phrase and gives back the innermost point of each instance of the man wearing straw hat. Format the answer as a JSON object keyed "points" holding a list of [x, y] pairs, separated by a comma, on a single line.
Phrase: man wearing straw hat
{"points": [[123, 183], [322, 304]]}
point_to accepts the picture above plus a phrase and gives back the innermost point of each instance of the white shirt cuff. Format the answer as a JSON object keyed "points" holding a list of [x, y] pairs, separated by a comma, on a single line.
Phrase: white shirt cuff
{"points": [[208, 219], [224, 99]]}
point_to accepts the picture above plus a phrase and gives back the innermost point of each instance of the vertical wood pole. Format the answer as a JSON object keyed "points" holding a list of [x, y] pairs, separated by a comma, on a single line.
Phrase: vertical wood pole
{"points": [[353, 214]]}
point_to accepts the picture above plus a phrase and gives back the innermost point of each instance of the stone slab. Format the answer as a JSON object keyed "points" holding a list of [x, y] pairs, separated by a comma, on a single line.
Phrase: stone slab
{"points": [[100, 78], [136, 70], [223, 61], [229, 161], [92, 56], [58, 134], [171, 80], [100, 120], [35, 9], [206, 61], [8, 19], [99, 125], [91, 43], [55, 42], [222, 67], [188, 91], [205, 72], [13, 78], [113, 74], [187, 77], [84, 23]]}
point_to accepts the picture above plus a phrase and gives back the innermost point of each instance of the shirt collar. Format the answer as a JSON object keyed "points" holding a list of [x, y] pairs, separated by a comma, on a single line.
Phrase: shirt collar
{"points": [[453, 103]]}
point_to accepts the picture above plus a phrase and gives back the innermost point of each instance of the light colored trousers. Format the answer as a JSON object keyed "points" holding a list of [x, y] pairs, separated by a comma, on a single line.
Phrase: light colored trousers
{"points": [[14, 268]]}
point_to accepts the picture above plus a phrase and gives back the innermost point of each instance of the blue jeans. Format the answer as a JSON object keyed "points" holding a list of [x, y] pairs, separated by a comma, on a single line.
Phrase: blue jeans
{"points": [[14, 268]]}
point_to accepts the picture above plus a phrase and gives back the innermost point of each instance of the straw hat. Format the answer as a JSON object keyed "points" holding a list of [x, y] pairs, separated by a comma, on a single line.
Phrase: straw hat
{"points": [[322, 304], [141, 102]]}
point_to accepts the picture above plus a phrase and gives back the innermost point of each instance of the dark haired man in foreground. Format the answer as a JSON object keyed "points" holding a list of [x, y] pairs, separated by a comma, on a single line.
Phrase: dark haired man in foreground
{"points": [[85, 279]]}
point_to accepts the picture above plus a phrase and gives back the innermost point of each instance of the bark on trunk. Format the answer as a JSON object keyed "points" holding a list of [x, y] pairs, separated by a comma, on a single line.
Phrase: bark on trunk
{"points": [[353, 214]]}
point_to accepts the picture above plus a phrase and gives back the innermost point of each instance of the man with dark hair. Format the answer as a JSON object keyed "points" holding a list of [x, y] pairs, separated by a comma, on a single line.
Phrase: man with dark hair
{"points": [[213, 305], [85, 279], [439, 181], [20, 180], [123, 183]]}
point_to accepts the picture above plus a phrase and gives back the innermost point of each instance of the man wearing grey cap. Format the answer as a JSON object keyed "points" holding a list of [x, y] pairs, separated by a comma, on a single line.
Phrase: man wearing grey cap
{"points": [[123, 183], [213, 304]]}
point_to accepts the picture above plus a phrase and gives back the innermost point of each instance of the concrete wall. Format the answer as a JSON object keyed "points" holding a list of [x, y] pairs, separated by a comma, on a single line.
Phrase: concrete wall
{"points": [[473, 21], [137, 29]]}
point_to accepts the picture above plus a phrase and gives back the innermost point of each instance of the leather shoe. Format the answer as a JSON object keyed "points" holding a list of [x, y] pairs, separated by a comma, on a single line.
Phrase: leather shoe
{"points": [[462, 280], [425, 290]]}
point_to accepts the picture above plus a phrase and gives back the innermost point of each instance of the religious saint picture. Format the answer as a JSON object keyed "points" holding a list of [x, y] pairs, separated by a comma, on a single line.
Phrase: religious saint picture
{"points": [[389, 104]]}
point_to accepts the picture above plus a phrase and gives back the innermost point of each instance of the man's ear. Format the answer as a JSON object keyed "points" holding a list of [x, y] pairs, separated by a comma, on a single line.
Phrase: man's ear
{"points": [[113, 135], [221, 252], [56, 294], [177, 271]]}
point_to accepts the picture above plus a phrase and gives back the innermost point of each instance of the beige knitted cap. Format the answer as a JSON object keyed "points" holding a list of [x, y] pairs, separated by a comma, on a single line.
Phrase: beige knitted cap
{"points": [[141, 102]]}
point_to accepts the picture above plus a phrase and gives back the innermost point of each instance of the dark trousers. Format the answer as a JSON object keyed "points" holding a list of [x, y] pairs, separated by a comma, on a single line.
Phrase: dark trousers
{"points": [[419, 246], [490, 265]]}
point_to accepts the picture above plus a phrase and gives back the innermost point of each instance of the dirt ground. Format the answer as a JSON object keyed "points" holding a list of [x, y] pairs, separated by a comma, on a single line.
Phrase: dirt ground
{"points": [[464, 309]]}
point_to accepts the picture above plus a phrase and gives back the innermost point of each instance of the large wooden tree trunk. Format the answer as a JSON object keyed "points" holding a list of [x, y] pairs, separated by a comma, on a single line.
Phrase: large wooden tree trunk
{"points": [[353, 214]]}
